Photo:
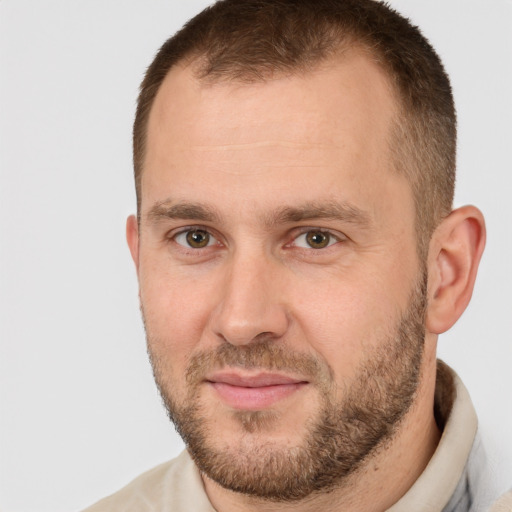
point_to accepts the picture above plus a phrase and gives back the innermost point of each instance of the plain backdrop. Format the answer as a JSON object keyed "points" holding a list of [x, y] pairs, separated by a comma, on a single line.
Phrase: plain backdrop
{"points": [[80, 415]]}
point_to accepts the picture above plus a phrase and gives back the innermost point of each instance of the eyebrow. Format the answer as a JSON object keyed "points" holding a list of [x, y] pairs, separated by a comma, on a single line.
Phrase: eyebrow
{"points": [[309, 211], [192, 211], [331, 210]]}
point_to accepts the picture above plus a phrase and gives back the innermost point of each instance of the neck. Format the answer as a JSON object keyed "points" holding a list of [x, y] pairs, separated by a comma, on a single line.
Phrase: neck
{"points": [[378, 484]]}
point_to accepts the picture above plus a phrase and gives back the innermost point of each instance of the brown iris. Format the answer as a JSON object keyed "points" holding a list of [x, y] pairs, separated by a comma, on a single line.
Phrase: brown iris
{"points": [[317, 239], [198, 238]]}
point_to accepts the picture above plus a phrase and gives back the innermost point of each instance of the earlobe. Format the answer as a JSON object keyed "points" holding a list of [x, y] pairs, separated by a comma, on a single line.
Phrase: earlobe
{"points": [[132, 237], [455, 251]]}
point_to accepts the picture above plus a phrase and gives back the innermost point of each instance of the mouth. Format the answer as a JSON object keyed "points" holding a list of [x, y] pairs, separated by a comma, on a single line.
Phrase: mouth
{"points": [[253, 392]]}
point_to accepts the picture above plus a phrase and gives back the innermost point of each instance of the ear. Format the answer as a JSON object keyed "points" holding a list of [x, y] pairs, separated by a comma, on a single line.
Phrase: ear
{"points": [[454, 254], [132, 237]]}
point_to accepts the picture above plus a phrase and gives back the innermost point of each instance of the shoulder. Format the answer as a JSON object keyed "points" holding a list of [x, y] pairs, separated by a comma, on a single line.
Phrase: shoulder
{"points": [[171, 486], [504, 504]]}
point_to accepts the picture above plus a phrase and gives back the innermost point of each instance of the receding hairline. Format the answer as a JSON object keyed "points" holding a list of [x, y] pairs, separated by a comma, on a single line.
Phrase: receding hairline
{"points": [[194, 65], [199, 60], [253, 40]]}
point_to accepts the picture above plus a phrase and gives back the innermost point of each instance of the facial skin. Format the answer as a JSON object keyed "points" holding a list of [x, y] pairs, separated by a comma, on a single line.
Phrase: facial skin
{"points": [[280, 282]]}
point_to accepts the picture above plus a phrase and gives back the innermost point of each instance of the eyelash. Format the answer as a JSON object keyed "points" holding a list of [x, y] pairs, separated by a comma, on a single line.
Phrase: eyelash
{"points": [[190, 229], [333, 238]]}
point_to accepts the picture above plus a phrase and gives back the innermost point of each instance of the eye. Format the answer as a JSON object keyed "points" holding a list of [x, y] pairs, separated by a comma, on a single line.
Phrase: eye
{"points": [[195, 238], [315, 239]]}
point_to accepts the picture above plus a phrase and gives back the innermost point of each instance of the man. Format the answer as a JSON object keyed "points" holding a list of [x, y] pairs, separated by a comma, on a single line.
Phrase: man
{"points": [[297, 257]]}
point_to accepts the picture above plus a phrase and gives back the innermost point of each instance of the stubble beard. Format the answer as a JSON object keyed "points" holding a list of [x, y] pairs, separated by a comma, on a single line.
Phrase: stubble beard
{"points": [[337, 441]]}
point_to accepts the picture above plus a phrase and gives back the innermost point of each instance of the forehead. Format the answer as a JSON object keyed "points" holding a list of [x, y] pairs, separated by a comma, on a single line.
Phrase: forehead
{"points": [[309, 132], [340, 93]]}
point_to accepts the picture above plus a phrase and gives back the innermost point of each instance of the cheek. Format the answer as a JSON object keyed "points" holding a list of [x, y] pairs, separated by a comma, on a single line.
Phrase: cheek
{"points": [[346, 320], [176, 311]]}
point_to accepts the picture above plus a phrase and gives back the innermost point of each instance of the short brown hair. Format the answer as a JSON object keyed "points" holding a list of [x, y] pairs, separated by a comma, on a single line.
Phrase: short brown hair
{"points": [[250, 40]]}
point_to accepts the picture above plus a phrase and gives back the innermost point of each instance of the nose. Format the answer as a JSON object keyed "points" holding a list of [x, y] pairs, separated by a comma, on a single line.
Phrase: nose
{"points": [[250, 302]]}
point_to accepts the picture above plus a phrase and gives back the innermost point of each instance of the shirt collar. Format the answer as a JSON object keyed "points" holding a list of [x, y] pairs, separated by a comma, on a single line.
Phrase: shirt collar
{"points": [[438, 482]]}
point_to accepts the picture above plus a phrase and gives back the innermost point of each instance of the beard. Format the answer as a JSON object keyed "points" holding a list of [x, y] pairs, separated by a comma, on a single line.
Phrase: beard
{"points": [[345, 433]]}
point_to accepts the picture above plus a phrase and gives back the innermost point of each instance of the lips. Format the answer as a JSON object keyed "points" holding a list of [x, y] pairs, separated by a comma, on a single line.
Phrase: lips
{"points": [[253, 392]]}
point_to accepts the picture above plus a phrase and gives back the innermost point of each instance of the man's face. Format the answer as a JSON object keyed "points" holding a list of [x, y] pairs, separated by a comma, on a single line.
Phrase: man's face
{"points": [[281, 290]]}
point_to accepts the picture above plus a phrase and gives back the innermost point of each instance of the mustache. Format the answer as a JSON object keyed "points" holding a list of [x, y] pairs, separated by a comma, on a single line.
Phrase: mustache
{"points": [[262, 354]]}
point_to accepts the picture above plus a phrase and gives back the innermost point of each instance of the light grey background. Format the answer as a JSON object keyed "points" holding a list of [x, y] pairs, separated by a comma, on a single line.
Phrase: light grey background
{"points": [[80, 415]]}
